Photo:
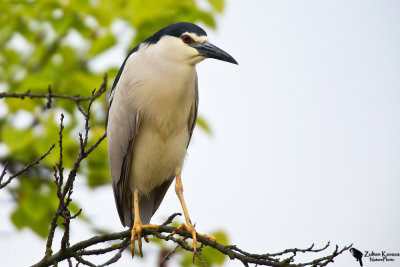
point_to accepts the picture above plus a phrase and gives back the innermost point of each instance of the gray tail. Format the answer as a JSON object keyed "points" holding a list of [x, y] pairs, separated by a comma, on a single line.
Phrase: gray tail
{"points": [[146, 204]]}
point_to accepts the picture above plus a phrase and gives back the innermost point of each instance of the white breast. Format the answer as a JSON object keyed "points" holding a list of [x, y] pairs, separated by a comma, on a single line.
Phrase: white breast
{"points": [[164, 96]]}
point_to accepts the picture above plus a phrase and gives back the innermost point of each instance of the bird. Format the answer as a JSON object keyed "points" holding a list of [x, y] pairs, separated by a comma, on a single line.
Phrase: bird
{"points": [[151, 117], [357, 254]]}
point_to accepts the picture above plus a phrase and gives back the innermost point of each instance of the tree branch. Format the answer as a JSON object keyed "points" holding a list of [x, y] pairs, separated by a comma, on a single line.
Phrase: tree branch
{"points": [[166, 258], [64, 191], [49, 96], [76, 98], [24, 169], [82, 249], [231, 251]]}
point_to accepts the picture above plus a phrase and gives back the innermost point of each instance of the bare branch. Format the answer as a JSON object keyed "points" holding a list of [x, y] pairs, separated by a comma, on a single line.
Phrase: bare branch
{"points": [[49, 96], [60, 144], [76, 98], [66, 190], [87, 117], [170, 218], [172, 251], [230, 251], [4, 172], [59, 183], [95, 144], [81, 250], [118, 255], [24, 169], [81, 260]]}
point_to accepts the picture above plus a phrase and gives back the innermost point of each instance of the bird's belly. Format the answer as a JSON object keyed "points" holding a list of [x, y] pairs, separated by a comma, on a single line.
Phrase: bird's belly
{"points": [[156, 156]]}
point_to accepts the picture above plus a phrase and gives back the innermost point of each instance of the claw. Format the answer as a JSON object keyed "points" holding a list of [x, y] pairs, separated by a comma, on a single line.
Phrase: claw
{"points": [[190, 228], [138, 226], [137, 232]]}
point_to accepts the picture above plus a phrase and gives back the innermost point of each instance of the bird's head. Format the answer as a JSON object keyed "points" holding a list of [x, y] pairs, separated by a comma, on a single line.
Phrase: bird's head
{"points": [[186, 43]]}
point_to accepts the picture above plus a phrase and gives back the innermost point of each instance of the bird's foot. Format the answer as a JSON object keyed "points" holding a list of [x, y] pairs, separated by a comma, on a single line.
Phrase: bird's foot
{"points": [[137, 232], [190, 228]]}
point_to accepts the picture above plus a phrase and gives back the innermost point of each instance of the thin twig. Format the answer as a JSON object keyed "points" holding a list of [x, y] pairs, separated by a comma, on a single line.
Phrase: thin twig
{"points": [[171, 218], [200, 257], [49, 101], [82, 260], [172, 251], [49, 96], [87, 152], [87, 117], [227, 250], [76, 98], [81, 250], [118, 255], [4, 172], [65, 239], [64, 191], [61, 205], [24, 169], [101, 251], [60, 161]]}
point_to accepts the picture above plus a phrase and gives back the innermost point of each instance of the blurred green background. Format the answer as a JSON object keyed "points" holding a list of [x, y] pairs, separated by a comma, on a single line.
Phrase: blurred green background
{"points": [[54, 43]]}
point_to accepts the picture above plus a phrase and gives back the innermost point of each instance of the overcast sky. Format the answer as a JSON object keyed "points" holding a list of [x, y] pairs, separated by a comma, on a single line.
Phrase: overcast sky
{"points": [[305, 145]]}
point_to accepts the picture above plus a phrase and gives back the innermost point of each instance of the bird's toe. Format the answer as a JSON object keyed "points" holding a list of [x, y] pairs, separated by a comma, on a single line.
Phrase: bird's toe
{"points": [[137, 233]]}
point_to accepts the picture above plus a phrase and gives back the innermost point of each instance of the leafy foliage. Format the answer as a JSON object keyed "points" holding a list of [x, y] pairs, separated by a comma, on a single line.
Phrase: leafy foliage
{"points": [[208, 254], [51, 43]]}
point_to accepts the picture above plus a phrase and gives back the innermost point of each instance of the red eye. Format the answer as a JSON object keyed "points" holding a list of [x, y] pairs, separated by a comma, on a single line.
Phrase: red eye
{"points": [[186, 39]]}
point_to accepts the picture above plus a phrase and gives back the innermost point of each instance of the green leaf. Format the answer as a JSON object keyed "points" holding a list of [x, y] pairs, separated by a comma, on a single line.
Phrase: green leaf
{"points": [[101, 44], [211, 256], [218, 5], [17, 142], [53, 62], [37, 82], [37, 202], [202, 123], [98, 171]]}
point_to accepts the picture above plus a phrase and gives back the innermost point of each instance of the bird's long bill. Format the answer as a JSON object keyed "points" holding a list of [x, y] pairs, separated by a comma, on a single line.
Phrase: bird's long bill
{"points": [[209, 50]]}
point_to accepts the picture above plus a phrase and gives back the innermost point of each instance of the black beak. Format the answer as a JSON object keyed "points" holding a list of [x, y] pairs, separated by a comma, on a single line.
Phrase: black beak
{"points": [[209, 50]]}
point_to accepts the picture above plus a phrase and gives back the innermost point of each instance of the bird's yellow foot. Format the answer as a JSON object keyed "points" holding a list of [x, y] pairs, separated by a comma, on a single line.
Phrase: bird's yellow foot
{"points": [[189, 227], [137, 232]]}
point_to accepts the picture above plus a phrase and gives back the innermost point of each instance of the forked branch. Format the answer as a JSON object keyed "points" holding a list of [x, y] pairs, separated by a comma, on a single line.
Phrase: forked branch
{"points": [[279, 259], [116, 243]]}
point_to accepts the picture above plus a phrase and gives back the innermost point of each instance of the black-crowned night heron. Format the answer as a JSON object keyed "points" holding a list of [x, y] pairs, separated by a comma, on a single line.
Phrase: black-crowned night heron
{"points": [[151, 117]]}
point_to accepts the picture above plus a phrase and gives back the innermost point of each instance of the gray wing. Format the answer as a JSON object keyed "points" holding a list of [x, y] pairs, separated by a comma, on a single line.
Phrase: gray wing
{"points": [[122, 128], [193, 110]]}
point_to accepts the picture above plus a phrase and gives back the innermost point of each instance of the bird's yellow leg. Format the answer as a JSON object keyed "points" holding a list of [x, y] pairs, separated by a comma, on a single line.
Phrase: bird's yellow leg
{"points": [[137, 225], [189, 227]]}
